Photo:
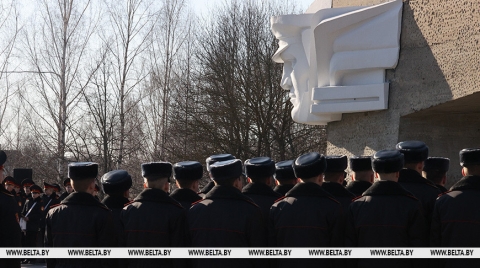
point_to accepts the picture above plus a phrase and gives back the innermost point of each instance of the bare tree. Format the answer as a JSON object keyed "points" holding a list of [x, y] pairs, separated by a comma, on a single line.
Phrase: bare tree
{"points": [[58, 47], [242, 107], [9, 30], [131, 22]]}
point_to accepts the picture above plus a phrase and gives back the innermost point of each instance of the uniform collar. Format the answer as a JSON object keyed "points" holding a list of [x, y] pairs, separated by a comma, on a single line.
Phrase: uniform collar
{"points": [[115, 201], [410, 175], [259, 189], [155, 195], [386, 188], [467, 183], [185, 194], [336, 189], [308, 189], [227, 192], [81, 198], [283, 188]]}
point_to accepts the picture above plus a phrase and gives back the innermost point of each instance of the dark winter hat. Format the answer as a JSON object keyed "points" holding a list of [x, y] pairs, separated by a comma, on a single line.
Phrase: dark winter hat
{"points": [[82, 170], [3, 157], [259, 167], [36, 189], [284, 170], [360, 163], [57, 187], [47, 185], [66, 182], [157, 170], [413, 151], [336, 163], [387, 161], [224, 170], [470, 157], [188, 170], [116, 181], [436, 163], [9, 180], [309, 165], [27, 183], [216, 158]]}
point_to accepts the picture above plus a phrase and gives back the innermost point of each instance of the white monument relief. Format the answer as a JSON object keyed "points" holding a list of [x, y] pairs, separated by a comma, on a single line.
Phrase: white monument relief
{"points": [[335, 59]]}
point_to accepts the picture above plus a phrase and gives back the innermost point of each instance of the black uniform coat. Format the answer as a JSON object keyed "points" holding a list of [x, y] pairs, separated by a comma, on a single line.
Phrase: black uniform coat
{"points": [[226, 218], [358, 187], [339, 192], [386, 216], [309, 217], [35, 216], [153, 219], [441, 188], [116, 204], [206, 189], [456, 219], [63, 196], [283, 188], [79, 221], [10, 233], [185, 197], [263, 195], [423, 189]]}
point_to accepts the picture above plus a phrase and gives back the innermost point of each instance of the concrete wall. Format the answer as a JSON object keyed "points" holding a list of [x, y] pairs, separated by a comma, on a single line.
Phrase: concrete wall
{"points": [[439, 62]]}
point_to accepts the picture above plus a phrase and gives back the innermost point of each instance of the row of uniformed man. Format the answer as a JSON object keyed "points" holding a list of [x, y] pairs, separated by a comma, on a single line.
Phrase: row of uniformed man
{"points": [[400, 209]]}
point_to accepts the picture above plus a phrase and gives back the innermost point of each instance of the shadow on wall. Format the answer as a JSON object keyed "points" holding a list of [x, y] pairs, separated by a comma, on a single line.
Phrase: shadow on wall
{"points": [[446, 129], [417, 83]]}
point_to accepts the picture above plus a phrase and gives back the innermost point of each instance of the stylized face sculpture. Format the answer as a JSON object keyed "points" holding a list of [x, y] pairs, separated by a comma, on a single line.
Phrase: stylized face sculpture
{"points": [[295, 76]]}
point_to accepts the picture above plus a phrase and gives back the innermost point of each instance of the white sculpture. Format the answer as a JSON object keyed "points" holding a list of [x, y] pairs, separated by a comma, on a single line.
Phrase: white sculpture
{"points": [[335, 59]]}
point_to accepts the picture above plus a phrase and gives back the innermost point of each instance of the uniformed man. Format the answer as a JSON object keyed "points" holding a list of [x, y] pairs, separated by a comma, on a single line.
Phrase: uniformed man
{"points": [[187, 177], [362, 175], [10, 233], [456, 214], [50, 198], [80, 220], [209, 161], [116, 185], [33, 215], [259, 171], [308, 216], [435, 170], [415, 153], [226, 218], [334, 178], [284, 177], [26, 184], [386, 215], [154, 219], [68, 189], [57, 190]]}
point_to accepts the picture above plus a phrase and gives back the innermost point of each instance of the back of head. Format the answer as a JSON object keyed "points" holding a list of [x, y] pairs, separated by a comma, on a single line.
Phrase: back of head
{"points": [[284, 172], [336, 165], [82, 175], [413, 151], [309, 166], [470, 161], [157, 173], [436, 168], [260, 169], [386, 162], [361, 167], [226, 172], [187, 172], [217, 158], [116, 182]]}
